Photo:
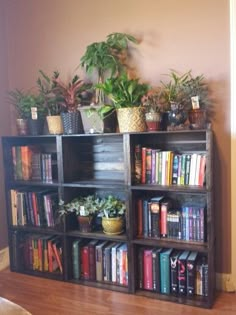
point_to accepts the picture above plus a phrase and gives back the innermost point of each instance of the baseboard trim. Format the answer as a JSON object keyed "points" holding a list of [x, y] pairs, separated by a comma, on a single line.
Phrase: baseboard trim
{"points": [[225, 282], [4, 258]]}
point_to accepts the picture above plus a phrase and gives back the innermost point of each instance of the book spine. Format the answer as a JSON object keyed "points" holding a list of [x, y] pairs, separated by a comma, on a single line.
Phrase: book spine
{"points": [[143, 177], [138, 163], [147, 270], [148, 176]]}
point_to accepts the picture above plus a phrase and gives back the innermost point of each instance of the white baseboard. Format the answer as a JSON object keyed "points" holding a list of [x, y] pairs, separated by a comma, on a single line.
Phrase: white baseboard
{"points": [[4, 258], [225, 282]]}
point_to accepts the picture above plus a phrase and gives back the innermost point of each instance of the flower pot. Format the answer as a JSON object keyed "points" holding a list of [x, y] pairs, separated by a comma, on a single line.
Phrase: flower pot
{"points": [[35, 126], [153, 121], [131, 119], [22, 127], [197, 118], [113, 226], [72, 123], [54, 125], [85, 223], [93, 123]]}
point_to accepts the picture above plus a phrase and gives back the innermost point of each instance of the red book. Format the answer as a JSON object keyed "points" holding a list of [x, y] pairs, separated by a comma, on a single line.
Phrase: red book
{"points": [[57, 250], [143, 175], [26, 155], [84, 252], [147, 270], [92, 259], [202, 170], [165, 205]]}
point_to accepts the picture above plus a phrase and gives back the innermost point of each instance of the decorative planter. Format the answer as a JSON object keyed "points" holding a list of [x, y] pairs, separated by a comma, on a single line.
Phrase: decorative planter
{"points": [[22, 127], [54, 125], [113, 226], [85, 223], [93, 123], [153, 121], [72, 123], [176, 117], [131, 119], [35, 126]]}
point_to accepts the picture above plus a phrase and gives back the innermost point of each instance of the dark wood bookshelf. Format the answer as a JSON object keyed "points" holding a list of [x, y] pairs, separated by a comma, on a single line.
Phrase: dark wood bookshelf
{"points": [[102, 164]]}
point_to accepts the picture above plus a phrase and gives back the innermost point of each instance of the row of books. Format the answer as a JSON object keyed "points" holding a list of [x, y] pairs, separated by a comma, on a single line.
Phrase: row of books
{"points": [[42, 253], [170, 271], [31, 164], [35, 208], [157, 218], [100, 261], [153, 166]]}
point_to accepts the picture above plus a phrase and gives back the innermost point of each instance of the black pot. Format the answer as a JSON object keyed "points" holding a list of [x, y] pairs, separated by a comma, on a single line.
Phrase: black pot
{"points": [[72, 123], [35, 126]]}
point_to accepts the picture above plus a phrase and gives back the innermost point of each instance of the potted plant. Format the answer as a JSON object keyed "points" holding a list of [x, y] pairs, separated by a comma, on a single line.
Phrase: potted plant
{"points": [[105, 59], [195, 97], [69, 99], [153, 109], [30, 111], [126, 98], [51, 102], [113, 217], [172, 99], [85, 209]]}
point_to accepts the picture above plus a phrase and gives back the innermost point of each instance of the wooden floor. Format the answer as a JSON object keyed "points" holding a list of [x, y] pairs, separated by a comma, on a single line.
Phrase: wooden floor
{"points": [[47, 297]]}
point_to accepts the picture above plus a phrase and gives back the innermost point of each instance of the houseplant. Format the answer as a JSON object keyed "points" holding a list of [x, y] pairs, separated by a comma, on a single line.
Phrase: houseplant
{"points": [[51, 102], [113, 210], [103, 60], [85, 208], [26, 105], [69, 99], [126, 98], [172, 99], [195, 97], [153, 109]]}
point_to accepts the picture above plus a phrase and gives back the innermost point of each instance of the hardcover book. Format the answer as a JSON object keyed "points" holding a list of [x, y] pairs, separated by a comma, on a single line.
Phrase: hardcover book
{"points": [[174, 287], [191, 273], [182, 272], [165, 270]]}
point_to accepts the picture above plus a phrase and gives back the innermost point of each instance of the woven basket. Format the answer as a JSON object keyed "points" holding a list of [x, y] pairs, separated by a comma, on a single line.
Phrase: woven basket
{"points": [[131, 119], [54, 125]]}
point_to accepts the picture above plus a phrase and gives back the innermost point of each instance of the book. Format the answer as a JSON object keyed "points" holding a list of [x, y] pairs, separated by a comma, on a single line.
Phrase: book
{"points": [[92, 259], [76, 258], [156, 269], [114, 262], [165, 270], [147, 269], [99, 260], [182, 272], [191, 273], [57, 249], [84, 254], [174, 287], [165, 206], [148, 159], [26, 156], [138, 163]]}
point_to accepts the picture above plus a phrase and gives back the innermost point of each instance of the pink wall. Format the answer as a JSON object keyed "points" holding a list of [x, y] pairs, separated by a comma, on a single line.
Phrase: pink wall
{"points": [[4, 121], [186, 34]]}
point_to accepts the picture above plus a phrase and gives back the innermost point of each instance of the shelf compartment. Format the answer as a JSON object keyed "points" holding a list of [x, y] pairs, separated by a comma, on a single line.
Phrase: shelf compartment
{"points": [[103, 183], [174, 188]]}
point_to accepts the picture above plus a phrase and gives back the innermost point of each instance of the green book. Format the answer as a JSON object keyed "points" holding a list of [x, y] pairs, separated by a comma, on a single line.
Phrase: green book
{"points": [[76, 258], [165, 270]]}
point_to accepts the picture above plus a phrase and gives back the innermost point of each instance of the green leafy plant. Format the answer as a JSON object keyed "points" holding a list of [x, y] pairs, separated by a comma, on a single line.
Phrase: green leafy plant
{"points": [[68, 94], [24, 101], [172, 91], [151, 101], [81, 205], [107, 58], [123, 92], [112, 207], [46, 91]]}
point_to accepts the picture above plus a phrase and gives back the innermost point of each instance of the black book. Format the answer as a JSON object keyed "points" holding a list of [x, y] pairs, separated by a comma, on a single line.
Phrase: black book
{"points": [[140, 268], [191, 273], [174, 283], [156, 269], [182, 273]]}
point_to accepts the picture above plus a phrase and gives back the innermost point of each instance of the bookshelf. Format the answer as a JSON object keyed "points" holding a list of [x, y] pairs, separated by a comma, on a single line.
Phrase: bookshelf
{"points": [[109, 164]]}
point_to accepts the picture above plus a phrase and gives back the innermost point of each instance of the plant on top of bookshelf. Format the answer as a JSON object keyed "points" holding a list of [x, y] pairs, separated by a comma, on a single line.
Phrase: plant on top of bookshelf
{"points": [[28, 106], [69, 95]]}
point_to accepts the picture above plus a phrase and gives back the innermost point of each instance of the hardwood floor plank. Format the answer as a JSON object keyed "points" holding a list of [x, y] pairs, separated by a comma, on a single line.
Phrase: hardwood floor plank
{"points": [[42, 296]]}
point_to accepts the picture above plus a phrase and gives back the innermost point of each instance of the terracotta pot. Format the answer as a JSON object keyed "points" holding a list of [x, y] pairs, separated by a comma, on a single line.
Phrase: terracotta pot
{"points": [[197, 118], [85, 223]]}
